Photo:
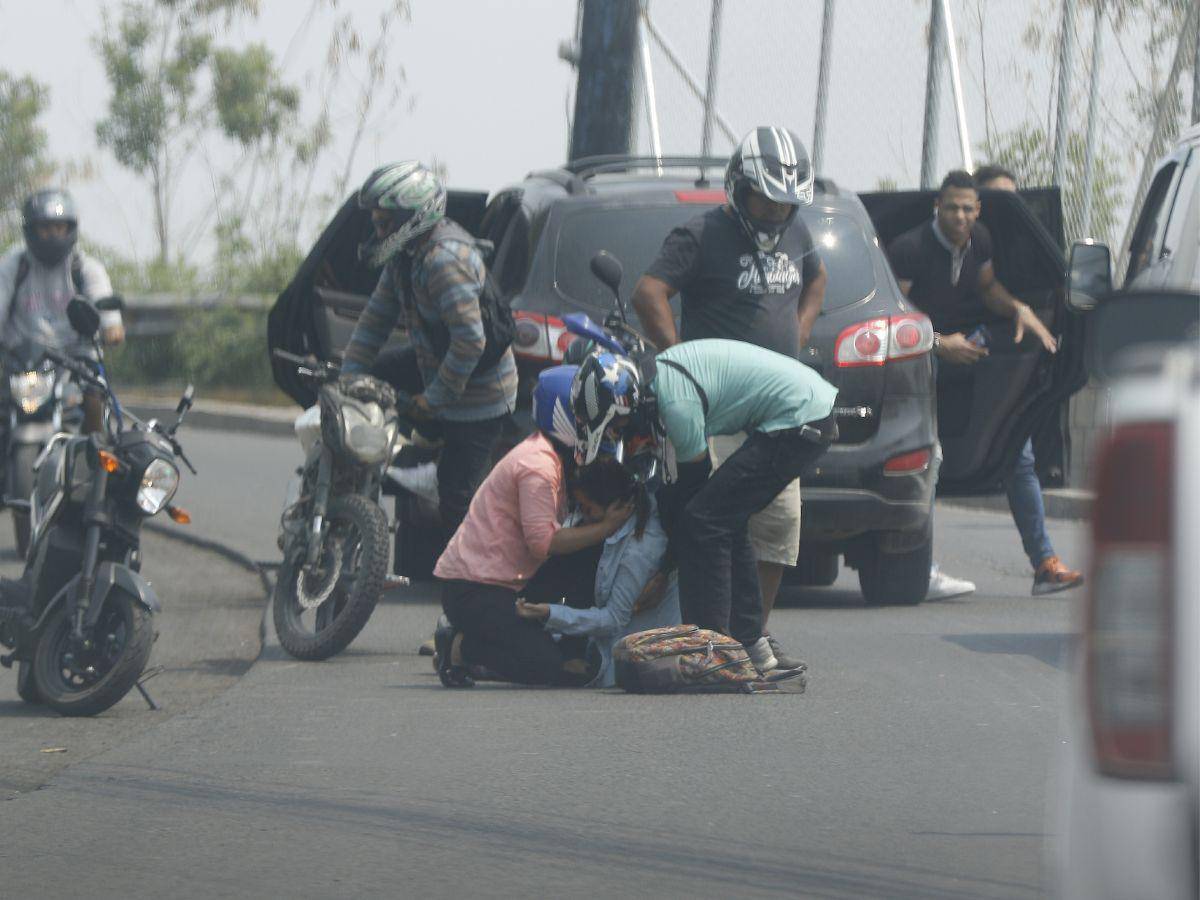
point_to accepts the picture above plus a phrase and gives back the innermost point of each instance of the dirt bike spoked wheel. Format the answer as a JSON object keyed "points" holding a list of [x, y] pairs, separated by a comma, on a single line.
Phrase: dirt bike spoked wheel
{"points": [[80, 680], [319, 612]]}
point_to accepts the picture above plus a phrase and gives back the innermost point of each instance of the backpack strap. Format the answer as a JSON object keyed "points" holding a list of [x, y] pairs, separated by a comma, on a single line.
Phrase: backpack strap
{"points": [[670, 363], [22, 274]]}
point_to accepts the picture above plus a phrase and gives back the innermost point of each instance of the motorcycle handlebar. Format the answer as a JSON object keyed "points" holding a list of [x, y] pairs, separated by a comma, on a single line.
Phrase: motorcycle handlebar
{"points": [[308, 365]]}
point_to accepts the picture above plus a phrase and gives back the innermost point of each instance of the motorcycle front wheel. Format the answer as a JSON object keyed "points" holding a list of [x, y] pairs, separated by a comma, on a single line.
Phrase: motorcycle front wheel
{"points": [[26, 689], [318, 612], [84, 680]]}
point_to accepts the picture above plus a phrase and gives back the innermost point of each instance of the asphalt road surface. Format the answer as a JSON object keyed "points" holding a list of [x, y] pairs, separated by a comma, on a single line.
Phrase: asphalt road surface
{"points": [[918, 764]]}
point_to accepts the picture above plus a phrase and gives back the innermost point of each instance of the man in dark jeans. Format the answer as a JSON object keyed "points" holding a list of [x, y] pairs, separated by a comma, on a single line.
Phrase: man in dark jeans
{"points": [[701, 389], [945, 268], [747, 271], [433, 277]]}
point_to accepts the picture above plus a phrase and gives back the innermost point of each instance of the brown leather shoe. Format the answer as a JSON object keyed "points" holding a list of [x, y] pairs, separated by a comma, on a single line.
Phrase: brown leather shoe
{"points": [[1052, 576]]}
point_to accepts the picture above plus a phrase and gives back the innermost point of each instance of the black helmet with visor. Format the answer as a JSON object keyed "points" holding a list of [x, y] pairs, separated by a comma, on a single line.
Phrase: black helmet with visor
{"points": [[49, 207]]}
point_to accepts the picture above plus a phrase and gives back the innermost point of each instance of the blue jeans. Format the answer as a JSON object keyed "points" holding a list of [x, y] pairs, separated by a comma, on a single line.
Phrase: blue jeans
{"points": [[1028, 512]]}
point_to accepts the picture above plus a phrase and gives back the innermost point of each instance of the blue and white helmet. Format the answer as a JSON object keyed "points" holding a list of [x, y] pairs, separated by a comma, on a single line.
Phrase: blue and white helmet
{"points": [[606, 386], [552, 404]]}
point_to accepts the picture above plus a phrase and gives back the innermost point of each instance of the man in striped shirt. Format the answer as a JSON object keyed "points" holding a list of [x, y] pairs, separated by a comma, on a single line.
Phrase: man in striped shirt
{"points": [[432, 281]]}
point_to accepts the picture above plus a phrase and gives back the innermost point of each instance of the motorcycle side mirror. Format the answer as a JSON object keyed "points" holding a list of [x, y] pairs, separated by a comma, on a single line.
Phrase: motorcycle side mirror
{"points": [[1090, 275], [185, 402], [83, 317], [108, 304], [581, 324], [608, 269]]}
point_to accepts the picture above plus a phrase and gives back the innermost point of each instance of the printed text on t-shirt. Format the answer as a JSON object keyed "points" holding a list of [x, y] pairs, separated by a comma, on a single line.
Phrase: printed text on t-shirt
{"points": [[782, 274]]}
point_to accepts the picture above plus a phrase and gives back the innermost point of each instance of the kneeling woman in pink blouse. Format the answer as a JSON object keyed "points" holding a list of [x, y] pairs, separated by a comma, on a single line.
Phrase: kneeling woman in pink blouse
{"points": [[511, 528]]}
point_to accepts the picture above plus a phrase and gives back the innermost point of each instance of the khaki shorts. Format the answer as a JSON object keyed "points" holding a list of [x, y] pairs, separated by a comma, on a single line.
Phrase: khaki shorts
{"points": [[775, 530]]}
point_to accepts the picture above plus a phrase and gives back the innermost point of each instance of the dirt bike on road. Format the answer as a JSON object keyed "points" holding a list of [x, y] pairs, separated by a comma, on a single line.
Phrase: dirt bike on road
{"points": [[333, 533]]}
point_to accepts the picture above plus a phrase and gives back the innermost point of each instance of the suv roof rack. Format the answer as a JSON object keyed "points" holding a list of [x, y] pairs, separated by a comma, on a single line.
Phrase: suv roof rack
{"points": [[564, 178], [588, 166]]}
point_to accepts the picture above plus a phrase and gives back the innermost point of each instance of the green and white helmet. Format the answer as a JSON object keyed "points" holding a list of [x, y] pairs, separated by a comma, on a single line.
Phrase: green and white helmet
{"points": [[413, 195]]}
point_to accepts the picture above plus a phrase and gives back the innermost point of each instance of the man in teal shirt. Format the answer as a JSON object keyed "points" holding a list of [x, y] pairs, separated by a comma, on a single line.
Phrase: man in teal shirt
{"points": [[700, 389]]}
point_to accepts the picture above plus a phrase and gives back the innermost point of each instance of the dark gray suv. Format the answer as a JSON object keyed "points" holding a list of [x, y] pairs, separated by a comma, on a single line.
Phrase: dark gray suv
{"points": [[869, 500]]}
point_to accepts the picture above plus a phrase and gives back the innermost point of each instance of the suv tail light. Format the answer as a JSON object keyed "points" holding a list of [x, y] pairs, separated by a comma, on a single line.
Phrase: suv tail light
{"points": [[540, 337], [1127, 659], [877, 341], [908, 463]]}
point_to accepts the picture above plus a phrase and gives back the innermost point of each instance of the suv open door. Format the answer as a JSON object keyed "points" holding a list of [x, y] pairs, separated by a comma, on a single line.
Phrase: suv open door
{"points": [[317, 311], [988, 410]]}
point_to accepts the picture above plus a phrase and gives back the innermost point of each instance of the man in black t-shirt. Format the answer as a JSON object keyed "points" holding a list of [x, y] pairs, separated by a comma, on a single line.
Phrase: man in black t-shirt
{"points": [[945, 268], [731, 289], [747, 271]]}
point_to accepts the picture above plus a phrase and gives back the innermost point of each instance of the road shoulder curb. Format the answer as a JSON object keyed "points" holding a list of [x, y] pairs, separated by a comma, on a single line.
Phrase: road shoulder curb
{"points": [[1060, 503], [276, 421]]}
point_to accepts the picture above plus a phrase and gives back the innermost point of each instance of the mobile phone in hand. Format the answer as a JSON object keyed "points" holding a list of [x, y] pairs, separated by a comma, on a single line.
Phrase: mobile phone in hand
{"points": [[980, 337]]}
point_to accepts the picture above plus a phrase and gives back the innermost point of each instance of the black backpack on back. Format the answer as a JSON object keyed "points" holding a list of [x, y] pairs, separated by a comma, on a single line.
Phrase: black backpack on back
{"points": [[498, 326]]}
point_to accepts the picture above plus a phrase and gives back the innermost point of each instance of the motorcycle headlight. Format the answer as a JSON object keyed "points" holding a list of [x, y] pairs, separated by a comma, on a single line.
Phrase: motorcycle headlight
{"points": [[157, 486], [364, 432], [31, 389]]}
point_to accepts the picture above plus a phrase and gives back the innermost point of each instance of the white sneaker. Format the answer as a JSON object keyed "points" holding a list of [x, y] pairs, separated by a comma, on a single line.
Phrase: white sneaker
{"points": [[761, 655], [943, 586]]}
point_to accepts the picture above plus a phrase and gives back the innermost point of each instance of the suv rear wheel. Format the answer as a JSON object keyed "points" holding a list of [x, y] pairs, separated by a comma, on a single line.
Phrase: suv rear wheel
{"points": [[894, 578]]}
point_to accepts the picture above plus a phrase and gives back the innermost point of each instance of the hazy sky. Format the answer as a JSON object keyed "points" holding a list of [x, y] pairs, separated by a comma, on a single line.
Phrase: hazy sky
{"points": [[488, 95]]}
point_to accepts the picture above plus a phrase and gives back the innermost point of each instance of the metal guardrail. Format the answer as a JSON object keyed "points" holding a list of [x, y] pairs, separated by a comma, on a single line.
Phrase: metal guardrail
{"points": [[158, 315]]}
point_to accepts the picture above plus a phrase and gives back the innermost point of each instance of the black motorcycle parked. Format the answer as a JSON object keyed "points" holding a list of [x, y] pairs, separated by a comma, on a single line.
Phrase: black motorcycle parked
{"points": [[333, 534], [78, 621], [42, 400]]}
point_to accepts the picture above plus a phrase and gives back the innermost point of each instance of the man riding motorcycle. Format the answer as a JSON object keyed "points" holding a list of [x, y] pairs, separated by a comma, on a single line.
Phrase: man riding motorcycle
{"points": [[38, 280], [434, 280]]}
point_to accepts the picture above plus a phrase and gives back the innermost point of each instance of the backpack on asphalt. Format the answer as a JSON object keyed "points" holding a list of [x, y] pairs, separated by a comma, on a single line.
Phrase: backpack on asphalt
{"points": [[684, 659]]}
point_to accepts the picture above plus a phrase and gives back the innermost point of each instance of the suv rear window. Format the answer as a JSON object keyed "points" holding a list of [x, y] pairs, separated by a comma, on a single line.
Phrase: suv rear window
{"points": [[635, 234]]}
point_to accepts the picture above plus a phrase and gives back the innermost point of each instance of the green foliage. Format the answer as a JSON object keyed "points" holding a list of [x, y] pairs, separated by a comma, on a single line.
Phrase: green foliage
{"points": [[130, 276], [24, 163], [223, 346], [171, 86], [1029, 154], [244, 266], [252, 104], [221, 350]]}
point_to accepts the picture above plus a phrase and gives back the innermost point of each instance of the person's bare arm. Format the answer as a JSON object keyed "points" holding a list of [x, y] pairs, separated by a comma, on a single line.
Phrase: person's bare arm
{"points": [[1002, 303], [577, 537], [811, 300], [652, 302]]}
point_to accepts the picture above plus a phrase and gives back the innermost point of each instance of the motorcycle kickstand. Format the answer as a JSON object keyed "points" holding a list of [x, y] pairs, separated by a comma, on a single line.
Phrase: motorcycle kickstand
{"points": [[140, 685]]}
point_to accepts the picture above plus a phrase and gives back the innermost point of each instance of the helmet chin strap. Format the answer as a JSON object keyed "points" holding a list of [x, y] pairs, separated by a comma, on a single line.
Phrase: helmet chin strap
{"points": [[767, 242]]}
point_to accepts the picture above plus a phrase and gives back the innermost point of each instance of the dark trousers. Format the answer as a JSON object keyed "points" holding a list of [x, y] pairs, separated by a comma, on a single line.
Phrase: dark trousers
{"points": [[467, 446], [494, 635], [718, 573], [570, 579]]}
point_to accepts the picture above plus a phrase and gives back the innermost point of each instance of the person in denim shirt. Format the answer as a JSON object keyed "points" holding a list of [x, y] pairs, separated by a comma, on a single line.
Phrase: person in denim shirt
{"points": [[632, 556]]}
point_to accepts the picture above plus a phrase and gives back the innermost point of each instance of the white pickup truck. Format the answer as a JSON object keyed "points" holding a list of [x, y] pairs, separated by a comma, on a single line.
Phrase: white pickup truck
{"points": [[1129, 825]]}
